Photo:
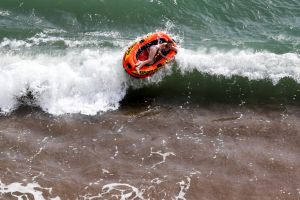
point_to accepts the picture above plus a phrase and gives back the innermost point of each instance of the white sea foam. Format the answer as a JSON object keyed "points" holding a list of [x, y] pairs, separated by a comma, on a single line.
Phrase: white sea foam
{"points": [[246, 63], [163, 155], [79, 82], [14, 44], [21, 191], [122, 191], [184, 187], [49, 37], [4, 13]]}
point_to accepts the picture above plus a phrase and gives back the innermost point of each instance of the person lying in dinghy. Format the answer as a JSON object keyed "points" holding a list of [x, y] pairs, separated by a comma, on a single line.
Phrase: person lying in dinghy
{"points": [[154, 51]]}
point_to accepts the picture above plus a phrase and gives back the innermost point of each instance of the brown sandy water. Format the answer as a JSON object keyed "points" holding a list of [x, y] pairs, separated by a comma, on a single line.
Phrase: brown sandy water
{"points": [[153, 152]]}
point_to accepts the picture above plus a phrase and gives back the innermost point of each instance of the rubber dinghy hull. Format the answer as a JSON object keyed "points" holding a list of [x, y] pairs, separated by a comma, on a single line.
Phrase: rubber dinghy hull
{"points": [[138, 51]]}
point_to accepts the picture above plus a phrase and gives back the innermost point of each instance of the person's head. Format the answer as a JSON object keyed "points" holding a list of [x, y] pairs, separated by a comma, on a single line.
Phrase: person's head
{"points": [[169, 44]]}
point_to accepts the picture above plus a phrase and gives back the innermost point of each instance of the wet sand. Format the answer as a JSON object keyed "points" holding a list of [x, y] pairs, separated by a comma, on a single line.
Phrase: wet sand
{"points": [[153, 152]]}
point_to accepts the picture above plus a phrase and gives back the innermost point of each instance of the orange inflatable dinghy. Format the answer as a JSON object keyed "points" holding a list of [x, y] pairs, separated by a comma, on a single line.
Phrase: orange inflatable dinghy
{"points": [[139, 51]]}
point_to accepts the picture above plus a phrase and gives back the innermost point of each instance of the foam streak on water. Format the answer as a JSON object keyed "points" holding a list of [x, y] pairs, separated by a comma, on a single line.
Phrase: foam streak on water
{"points": [[184, 186], [54, 37], [22, 191], [123, 191]]}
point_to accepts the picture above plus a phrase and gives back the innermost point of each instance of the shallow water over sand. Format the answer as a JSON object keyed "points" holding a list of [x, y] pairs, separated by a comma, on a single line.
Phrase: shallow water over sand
{"points": [[153, 152]]}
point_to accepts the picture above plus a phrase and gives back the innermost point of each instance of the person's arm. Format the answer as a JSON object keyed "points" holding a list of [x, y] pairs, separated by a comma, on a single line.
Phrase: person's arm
{"points": [[174, 49]]}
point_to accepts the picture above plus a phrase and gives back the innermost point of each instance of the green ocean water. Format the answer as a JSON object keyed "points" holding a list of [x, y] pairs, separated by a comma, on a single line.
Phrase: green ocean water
{"points": [[262, 25], [232, 50]]}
